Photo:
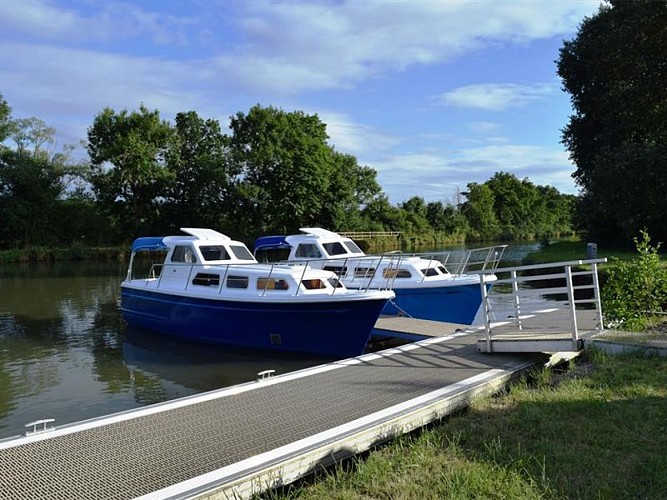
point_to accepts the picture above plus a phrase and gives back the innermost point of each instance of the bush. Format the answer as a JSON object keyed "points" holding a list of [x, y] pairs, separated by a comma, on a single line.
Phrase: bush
{"points": [[635, 290]]}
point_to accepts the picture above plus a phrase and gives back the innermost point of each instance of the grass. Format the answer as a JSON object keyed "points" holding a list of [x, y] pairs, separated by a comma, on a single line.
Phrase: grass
{"points": [[598, 430], [563, 251]]}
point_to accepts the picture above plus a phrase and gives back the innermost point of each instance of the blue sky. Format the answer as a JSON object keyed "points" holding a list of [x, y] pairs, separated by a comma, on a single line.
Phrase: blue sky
{"points": [[431, 94]]}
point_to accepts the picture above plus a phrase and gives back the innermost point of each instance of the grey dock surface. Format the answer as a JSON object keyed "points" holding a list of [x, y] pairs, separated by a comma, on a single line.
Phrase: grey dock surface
{"points": [[241, 440]]}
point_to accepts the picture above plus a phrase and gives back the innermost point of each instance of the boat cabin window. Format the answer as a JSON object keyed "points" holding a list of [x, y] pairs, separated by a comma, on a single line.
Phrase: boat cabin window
{"points": [[431, 271], [443, 269], [241, 252], [340, 271], [335, 282], [271, 284], [206, 279], [308, 251], [183, 254], [313, 284], [391, 273], [364, 272], [352, 247], [214, 252], [334, 248], [237, 281]]}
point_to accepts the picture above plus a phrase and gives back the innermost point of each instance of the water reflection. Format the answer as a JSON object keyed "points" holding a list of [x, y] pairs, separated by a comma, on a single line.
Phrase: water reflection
{"points": [[65, 352], [185, 366]]}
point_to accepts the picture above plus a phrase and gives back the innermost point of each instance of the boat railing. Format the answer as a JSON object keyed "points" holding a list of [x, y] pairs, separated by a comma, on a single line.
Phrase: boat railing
{"points": [[571, 288], [154, 277], [464, 261], [362, 272]]}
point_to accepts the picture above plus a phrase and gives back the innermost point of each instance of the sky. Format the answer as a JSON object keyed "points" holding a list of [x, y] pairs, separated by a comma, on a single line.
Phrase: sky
{"points": [[433, 95]]}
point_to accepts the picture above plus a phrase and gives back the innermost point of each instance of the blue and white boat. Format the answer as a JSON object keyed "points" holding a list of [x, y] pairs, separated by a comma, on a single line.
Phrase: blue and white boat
{"points": [[209, 288], [427, 286]]}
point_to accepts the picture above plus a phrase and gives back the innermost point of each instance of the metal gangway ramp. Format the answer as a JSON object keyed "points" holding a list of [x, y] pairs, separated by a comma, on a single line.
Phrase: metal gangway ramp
{"points": [[242, 440], [573, 290]]}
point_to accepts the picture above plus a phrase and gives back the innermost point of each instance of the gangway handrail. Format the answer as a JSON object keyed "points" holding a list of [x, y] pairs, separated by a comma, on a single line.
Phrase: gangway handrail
{"points": [[567, 274], [546, 265]]}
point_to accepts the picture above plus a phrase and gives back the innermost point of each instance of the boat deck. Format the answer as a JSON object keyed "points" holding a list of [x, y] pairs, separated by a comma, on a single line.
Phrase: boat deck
{"points": [[238, 441]]}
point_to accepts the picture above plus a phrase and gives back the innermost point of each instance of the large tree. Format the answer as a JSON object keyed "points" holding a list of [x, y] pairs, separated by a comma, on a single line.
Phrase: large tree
{"points": [[351, 187], [285, 168], [615, 71], [128, 152], [479, 211], [199, 195], [31, 182]]}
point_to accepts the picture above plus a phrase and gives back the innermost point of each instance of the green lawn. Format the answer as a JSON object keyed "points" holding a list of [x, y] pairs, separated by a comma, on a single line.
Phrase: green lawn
{"points": [[563, 251]]}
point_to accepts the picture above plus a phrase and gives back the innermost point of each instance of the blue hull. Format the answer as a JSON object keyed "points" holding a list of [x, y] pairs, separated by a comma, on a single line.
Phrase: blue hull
{"points": [[332, 329], [451, 304]]}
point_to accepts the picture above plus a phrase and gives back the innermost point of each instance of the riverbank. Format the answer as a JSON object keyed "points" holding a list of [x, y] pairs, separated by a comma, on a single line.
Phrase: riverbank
{"points": [[46, 254], [570, 250]]}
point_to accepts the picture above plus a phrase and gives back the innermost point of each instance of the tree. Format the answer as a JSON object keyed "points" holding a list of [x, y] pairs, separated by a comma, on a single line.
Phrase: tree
{"points": [[415, 215], [517, 206], [5, 117], [285, 167], [479, 211], [351, 187], [615, 72], [31, 182], [34, 135], [129, 175], [381, 215], [200, 193], [446, 218]]}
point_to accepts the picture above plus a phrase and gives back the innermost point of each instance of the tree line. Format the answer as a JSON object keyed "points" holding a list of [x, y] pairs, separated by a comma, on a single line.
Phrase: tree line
{"points": [[272, 173]]}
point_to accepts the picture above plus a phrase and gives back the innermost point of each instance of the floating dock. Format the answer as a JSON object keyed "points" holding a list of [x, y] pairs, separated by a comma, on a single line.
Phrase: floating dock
{"points": [[242, 440]]}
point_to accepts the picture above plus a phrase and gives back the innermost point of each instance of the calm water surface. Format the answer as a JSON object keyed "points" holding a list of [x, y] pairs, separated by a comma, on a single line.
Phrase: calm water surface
{"points": [[66, 354]]}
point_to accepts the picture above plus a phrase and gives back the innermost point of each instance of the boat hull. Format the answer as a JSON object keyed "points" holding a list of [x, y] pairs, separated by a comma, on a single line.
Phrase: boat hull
{"points": [[338, 329], [451, 303]]}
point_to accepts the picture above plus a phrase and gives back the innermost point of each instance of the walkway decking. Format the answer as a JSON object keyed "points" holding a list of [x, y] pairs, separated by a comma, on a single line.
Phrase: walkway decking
{"points": [[242, 440]]}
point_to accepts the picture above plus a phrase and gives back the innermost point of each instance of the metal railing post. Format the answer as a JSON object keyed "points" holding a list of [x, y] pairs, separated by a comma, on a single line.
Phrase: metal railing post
{"points": [[598, 300], [303, 275], [487, 312], [573, 307], [515, 297]]}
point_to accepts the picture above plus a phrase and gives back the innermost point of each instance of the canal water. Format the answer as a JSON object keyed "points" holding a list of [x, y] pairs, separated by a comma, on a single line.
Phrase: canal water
{"points": [[66, 354]]}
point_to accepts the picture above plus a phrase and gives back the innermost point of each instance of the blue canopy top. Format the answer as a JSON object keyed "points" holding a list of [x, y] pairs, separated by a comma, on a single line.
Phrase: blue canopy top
{"points": [[271, 242], [149, 243]]}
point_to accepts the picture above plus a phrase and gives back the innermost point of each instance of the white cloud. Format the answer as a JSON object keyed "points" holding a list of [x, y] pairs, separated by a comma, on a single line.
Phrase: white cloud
{"points": [[351, 41], [105, 21], [496, 96], [436, 177], [290, 47], [356, 139], [483, 127]]}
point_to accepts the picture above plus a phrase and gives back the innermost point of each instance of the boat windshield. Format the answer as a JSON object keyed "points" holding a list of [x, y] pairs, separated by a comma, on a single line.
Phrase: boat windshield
{"points": [[214, 252], [241, 252], [352, 246], [334, 248], [308, 250]]}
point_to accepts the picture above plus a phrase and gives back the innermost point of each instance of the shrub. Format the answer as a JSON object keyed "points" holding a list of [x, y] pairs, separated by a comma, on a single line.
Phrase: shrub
{"points": [[636, 289]]}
